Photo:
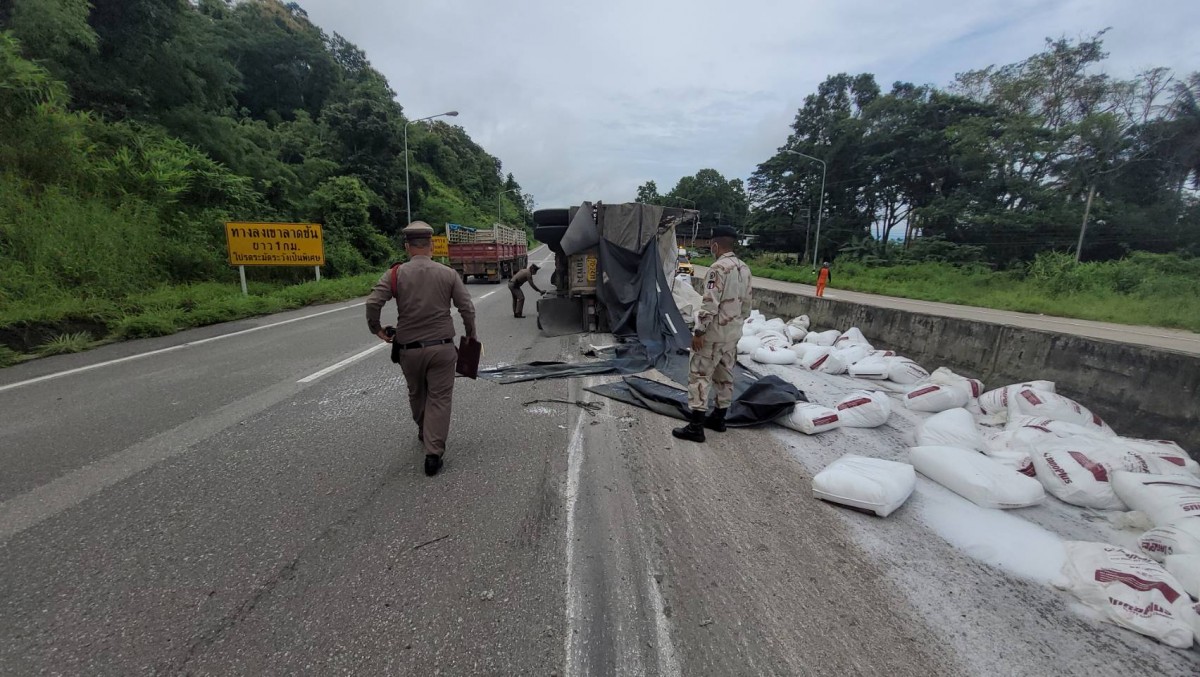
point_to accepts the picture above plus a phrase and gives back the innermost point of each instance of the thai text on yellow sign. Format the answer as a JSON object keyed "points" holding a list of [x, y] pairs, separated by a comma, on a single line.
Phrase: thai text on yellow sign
{"points": [[275, 244], [441, 246]]}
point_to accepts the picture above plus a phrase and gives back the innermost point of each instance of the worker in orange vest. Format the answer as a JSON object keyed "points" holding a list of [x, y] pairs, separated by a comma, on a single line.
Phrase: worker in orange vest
{"points": [[823, 278]]}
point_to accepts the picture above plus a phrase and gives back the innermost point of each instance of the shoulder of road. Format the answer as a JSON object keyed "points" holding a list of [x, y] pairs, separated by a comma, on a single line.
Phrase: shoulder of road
{"points": [[1156, 337]]}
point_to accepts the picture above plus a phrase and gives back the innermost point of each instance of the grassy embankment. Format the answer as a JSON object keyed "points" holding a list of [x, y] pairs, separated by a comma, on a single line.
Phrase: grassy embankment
{"points": [[1143, 289]]}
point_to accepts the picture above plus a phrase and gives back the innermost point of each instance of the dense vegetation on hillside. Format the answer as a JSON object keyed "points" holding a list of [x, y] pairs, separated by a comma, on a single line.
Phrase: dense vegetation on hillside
{"points": [[130, 130], [1001, 165]]}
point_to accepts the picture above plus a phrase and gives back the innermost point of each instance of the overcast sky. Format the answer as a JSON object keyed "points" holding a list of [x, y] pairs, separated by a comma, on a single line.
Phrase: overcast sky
{"points": [[587, 100]]}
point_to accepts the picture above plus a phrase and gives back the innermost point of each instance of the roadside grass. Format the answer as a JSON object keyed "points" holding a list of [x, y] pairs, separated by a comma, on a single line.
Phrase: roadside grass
{"points": [[52, 325], [1160, 290]]}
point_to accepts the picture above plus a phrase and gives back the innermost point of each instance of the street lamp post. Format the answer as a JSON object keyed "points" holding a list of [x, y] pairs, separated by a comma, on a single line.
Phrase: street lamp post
{"points": [[501, 194], [820, 207], [407, 194]]}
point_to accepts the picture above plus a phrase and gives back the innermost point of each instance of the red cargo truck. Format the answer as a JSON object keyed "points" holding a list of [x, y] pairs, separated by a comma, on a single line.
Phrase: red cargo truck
{"points": [[492, 255]]}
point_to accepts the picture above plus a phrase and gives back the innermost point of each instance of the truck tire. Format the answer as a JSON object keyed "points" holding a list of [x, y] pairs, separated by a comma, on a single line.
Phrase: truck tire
{"points": [[550, 236], [552, 217]]}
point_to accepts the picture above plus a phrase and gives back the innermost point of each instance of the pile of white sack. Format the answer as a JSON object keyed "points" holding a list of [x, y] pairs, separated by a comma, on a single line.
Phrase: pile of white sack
{"points": [[1008, 448]]}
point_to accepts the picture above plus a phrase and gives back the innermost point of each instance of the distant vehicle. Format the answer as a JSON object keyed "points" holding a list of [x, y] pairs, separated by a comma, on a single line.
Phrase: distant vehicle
{"points": [[492, 255], [684, 264]]}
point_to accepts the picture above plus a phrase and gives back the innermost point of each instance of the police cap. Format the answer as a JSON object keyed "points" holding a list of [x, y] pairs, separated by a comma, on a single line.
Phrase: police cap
{"points": [[418, 230], [725, 231]]}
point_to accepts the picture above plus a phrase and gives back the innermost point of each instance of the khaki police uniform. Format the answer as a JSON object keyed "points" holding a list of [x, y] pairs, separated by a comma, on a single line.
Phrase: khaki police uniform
{"points": [[724, 308], [514, 285], [425, 334]]}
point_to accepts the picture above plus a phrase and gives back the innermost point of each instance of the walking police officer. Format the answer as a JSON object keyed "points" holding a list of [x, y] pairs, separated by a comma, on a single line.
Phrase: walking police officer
{"points": [[423, 338], [725, 306]]}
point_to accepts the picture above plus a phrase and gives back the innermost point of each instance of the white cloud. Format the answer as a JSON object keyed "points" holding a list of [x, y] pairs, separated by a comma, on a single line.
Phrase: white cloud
{"points": [[585, 101]]}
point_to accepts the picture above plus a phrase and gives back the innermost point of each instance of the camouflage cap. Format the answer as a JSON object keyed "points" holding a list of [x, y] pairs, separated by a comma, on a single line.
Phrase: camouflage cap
{"points": [[418, 230], [725, 231]]}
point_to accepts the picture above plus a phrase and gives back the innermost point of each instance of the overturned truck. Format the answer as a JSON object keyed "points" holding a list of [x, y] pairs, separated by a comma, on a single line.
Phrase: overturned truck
{"points": [[612, 263]]}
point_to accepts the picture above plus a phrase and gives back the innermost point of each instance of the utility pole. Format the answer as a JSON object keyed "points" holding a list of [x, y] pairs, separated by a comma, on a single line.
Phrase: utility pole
{"points": [[1087, 209], [820, 208], [407, 195]]}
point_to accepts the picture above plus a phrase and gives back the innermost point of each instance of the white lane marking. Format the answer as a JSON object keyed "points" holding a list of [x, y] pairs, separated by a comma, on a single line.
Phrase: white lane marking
{"points": [[487, 295], [574, 662], [668, 662], [334, 367], [160, 351]]}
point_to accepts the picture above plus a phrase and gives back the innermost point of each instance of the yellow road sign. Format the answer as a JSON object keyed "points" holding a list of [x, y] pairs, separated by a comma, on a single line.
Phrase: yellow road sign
{"points": [[275, 244], [441, 246]]}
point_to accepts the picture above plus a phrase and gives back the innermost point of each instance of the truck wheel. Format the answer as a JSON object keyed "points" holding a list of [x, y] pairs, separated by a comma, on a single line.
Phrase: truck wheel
{"points": [[465, 277], [552, 217]]}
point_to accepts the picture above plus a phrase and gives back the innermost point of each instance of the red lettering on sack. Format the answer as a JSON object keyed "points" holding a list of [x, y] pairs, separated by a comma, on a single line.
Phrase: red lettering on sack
{"points": [[1152, 546], [1190, 507], [1062, 474], [923, 391], [1028, 469], [1097, 420], [1032, 398], [854, 403], [1098, 471], [1137, 583], [826, 420], [1177, 461]]}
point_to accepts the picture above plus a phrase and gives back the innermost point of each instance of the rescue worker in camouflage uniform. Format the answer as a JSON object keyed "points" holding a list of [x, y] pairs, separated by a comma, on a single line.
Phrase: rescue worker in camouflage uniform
{"points": [[718, 327]]}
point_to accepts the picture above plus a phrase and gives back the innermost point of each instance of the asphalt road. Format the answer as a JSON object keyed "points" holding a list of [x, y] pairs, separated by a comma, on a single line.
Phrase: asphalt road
{"points": [[248, 499], [1158, 337]]}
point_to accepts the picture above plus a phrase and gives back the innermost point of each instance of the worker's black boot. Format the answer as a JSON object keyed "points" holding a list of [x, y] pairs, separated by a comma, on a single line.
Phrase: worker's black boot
{"points": [[716, 420], [693, 431], [433, 463]]}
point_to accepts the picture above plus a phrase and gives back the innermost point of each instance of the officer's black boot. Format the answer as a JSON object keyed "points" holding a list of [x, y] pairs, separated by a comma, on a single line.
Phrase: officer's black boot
{"points": [[693, 431], [433, 463], [716, 420]]}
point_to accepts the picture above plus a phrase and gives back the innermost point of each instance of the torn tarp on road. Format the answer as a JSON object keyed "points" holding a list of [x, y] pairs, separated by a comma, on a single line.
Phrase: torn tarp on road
{"points": [[755, 401]]}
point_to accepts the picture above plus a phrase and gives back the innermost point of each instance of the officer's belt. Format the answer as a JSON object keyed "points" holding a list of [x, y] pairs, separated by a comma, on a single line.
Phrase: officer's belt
{"points": [[424, 344]]}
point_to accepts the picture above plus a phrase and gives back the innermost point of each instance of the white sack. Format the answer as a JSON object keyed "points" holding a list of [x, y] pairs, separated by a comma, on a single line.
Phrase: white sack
{"points": [[795, 334], [1055, 427], [822, 338], [935, 398], [871, 484], [906, 372], [815, 356], [802, 349], [1181, 538], [863, 409], [1166, 499], [853, 354], [995, 401], [810, 419], [1077, 477], [1130, 591], [1034, 402], [776, 324], [852, 337], [1165, 451], [872, 367], [883, 353], [1186, 570], [773, 339], [801, 322], [687, 299], [951, 428], [976, 477], [832, 364], [943, 376], [748, 345], [773, 355]]}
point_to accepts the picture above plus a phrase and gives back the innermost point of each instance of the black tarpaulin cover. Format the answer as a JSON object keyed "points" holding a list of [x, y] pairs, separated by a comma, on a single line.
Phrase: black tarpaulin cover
{"points": [[762, 400], [755, 399]]}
